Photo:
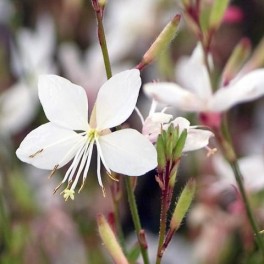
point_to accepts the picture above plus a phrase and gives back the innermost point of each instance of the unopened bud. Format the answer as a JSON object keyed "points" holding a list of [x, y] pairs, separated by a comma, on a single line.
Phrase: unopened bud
{"points": [[236, 60], [161, 153], [177, 152], [161, 42], [173, 174], [108, 237], [256, 60], [183, 204], [217, 13]]}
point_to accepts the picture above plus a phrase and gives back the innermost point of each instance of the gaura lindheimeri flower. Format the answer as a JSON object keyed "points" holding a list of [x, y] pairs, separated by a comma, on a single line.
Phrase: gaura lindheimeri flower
{"points": [[195, 93], [69, 136], [158, 121], [252, 169]]}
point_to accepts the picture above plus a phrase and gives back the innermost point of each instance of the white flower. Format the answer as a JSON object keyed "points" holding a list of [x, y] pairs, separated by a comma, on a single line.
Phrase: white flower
{"points": [[68, 135], [33, 56], [252, 169], [18, 108], [156, 121], [197, 96]]}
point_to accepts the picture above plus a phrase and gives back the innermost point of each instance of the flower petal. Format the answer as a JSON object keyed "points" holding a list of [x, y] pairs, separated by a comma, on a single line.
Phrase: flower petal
{"points": [[128, 152], [174, 95], [182, 122], [117, 99], [48, 146], [153, 125], [197, 139], [18, 108], [252, 168], [191, 73], [64, 103], [248, 88]]}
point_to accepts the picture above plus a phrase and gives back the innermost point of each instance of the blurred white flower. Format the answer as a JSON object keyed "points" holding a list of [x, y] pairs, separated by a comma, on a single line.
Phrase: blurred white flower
{"points": [[69, 136], [127, 22], [195, 94], [17, 108], [34, 50], [252, 169], [33, 56], [158, 121]]}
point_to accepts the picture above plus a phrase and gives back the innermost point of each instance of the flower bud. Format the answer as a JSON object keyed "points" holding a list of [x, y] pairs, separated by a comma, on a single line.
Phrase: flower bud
{"points": [[256, 60], [236, 60], [183, 204], [217, 13], [161, 42], [161, 153], [180, 145], [108, 237]]}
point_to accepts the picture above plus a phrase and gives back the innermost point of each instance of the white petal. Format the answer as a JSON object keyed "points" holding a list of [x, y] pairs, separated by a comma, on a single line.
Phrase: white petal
{"points": [[18, 106], [174, 95], [197, 139], [182, 122], [64, 103], [128, 152], [248, 88], [48, 146], [252, 169], [117, 99], [153, 124], [191, 73]]}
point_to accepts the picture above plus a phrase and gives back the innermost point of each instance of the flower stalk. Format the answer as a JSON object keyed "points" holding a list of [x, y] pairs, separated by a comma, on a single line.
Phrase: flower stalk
{"points": [[135, 216], [101, 36], [228, 151], [131, 196]]}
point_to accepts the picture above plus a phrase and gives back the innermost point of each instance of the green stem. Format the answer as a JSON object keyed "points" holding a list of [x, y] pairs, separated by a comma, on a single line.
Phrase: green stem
{"points": [[162, 231], [228, 150], [118, 225], [5, 225], [165, 202], [136, 220], [101, 36], [250, 215]]}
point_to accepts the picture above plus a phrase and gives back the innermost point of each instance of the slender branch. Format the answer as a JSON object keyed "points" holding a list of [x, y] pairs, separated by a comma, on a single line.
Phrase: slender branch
{"points": [[116, 195], [229, 154], [136, 220], [163, 213], [101, 36]]}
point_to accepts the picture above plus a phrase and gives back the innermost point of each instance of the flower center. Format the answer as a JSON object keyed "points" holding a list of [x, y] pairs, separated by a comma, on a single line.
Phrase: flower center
{"points": [[92, 134]]}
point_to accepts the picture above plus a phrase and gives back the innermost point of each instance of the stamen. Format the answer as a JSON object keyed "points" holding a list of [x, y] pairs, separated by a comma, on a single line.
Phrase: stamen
{"points": [[112, 177], [68, 193], [74, 164], [99, 150], [87, 166], [210, 151], [53, 171], [153, 107], [84, 158], [103, 190], [36, 153], [56, 189], [140, 116], [99, 170]]}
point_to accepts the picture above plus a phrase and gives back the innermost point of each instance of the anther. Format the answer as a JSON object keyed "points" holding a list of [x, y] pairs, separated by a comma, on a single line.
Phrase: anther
{"points": [[36, 153], [53, 171]]}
